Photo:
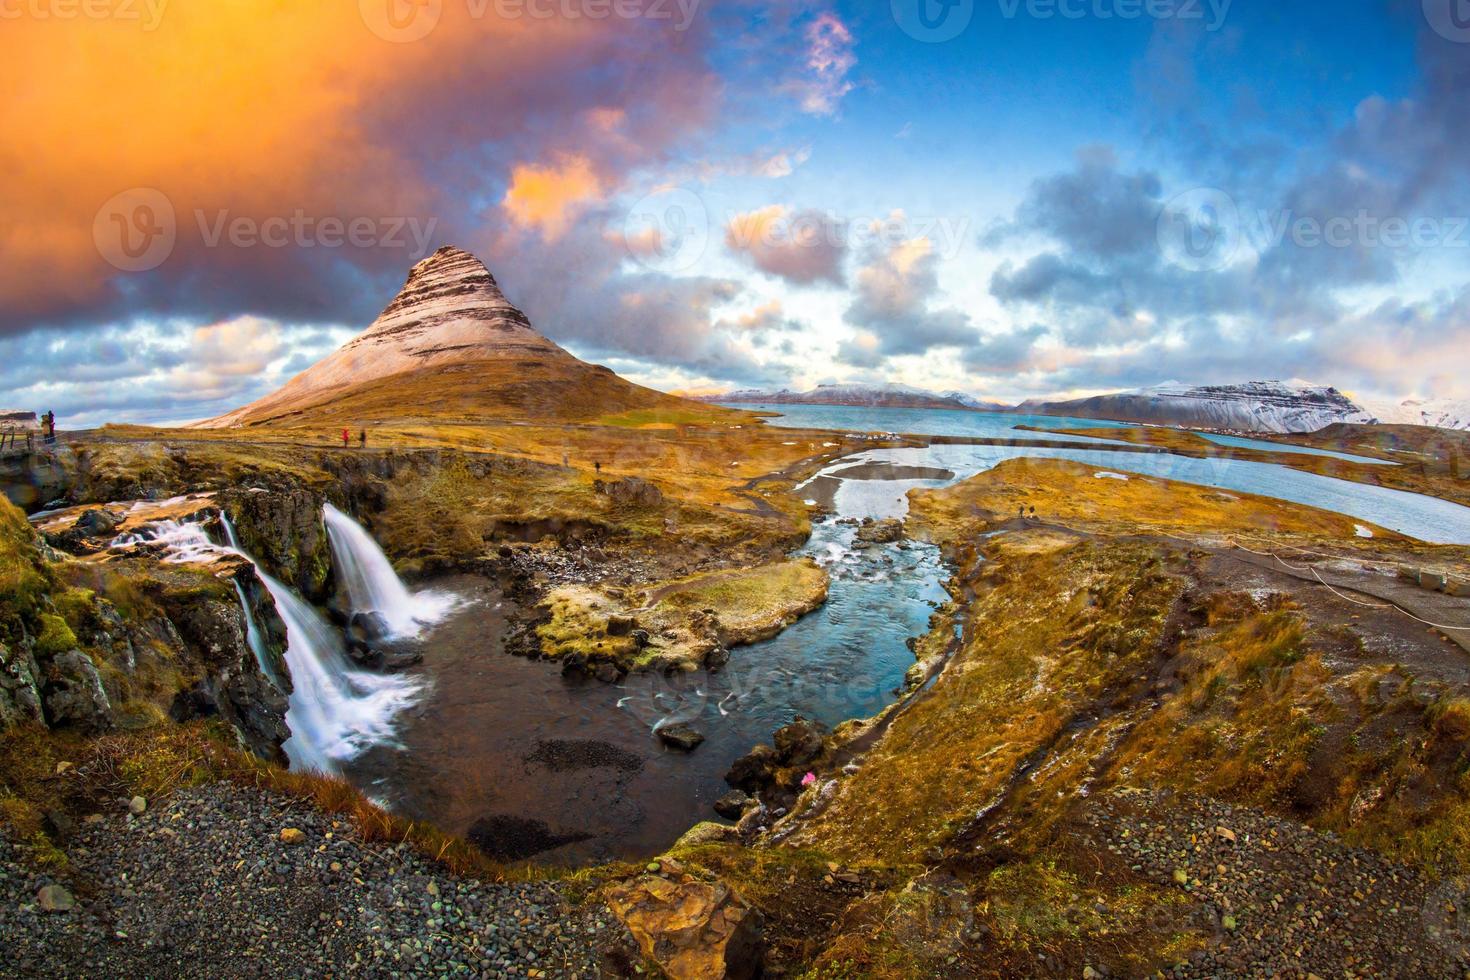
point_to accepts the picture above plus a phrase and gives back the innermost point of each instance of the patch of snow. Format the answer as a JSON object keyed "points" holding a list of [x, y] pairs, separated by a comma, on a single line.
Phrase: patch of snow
{"points": [[1106, 475], [1362, 531]]}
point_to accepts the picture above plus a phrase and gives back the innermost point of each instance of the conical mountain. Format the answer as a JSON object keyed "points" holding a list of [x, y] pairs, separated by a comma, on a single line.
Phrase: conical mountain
{"points": [[449, 347]]}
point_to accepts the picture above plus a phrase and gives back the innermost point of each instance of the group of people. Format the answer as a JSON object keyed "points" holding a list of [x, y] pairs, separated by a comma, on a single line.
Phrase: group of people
{"points": [[347, 438]]}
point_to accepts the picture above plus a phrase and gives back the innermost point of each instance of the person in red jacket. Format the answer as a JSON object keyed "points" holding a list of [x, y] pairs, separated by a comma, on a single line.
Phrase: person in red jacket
{"points": [[346, 438]]}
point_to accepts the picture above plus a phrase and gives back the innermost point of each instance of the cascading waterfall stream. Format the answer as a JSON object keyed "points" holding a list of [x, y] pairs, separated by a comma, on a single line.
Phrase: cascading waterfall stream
{"points": [[372, 584], [335, 712]]}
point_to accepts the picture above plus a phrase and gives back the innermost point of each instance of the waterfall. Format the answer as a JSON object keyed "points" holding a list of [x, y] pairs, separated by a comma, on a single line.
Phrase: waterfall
{"points": [[373, 585], [335, 712], [256, 640]]}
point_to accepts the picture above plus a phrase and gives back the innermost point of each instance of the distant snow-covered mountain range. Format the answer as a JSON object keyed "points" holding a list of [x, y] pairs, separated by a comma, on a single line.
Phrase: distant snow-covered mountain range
{"points": [[888, 395], [1254, 406]]}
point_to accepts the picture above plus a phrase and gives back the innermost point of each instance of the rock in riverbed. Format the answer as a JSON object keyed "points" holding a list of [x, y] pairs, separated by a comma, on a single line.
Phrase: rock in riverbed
{"points": [[681, 737]]}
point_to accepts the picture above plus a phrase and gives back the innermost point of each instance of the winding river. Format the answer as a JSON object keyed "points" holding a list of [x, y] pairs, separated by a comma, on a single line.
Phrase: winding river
{"points": [[571, 768]]}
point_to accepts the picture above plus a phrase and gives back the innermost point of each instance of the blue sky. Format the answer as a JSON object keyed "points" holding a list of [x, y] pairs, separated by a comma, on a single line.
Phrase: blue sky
{"points": [[780, 195]]}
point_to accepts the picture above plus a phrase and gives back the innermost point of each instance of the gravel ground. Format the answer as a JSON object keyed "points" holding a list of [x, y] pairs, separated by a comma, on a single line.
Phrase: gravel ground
{"points": [[204, 885], [1282, 900]]}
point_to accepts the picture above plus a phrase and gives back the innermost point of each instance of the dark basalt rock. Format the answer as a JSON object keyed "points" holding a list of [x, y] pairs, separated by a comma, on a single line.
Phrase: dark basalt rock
{"points": [[74, 694], [753, 770], [800, 742], [682, 737], [732, 805], [508, 838]]}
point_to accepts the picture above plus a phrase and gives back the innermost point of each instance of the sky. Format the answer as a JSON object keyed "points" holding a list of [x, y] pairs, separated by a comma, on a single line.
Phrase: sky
{"points": [[1009, 198]]}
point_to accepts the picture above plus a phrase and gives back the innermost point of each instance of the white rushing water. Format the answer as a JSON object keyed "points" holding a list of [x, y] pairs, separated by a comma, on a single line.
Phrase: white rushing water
{"points": [[373, 585], [335, 711]]}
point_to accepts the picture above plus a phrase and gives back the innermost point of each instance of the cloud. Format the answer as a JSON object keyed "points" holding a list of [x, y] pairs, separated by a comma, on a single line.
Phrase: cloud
{"points": [[548, 198], [152, 372], [829, 60], [767, 318], [239, 111], [801, 247], [894, 290]]}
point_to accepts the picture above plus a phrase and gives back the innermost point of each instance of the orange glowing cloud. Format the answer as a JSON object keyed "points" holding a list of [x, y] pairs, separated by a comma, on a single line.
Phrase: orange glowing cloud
{"points": [[547, 198], [268, 108]]}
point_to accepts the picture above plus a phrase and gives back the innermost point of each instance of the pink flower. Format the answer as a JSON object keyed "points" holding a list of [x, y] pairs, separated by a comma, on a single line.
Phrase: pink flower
{"points": [[808, 779]]}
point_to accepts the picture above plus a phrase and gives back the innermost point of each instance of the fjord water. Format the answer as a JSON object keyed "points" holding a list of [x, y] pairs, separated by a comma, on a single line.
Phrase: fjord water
{"points": [[992, 425], [1426, 518]]}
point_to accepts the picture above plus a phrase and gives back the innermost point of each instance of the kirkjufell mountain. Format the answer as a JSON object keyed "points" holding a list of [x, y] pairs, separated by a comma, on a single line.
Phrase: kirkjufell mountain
{"points": [[450, 346]]}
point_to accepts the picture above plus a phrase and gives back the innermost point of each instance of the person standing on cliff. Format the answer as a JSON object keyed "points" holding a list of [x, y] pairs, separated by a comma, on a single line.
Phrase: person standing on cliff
{"points": [[362, 439], [346, 438]]}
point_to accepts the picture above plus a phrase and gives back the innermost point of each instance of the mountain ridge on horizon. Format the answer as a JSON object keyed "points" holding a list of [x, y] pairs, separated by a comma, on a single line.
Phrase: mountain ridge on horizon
{"points": [[1290, 406]]}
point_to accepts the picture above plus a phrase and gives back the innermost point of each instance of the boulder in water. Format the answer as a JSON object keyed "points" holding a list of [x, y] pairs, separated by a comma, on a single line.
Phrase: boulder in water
{"points": [[683, 737], [753, 770], [369, 627], [885, 531], [98, 523]]}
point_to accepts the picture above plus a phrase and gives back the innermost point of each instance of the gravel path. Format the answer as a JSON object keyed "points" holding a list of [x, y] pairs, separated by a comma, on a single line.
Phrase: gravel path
{"points": [[205, 886], [1282, 900]]}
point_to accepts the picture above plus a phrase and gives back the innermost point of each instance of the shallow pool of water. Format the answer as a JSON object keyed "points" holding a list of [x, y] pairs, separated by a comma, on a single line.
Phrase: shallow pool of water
{"points": [[500, 736]]}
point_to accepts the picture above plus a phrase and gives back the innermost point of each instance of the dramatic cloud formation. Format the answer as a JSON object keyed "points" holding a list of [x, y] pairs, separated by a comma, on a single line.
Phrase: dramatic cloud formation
{"points": [[893, 293], [802, 247], [197, 207], [236, 112]]}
